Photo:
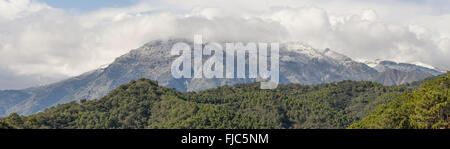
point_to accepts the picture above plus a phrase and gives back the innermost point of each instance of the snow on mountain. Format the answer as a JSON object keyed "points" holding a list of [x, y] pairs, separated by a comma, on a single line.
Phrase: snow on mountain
{"points": [[418, 67], [370, 63], [324, 55], [428, 66]]}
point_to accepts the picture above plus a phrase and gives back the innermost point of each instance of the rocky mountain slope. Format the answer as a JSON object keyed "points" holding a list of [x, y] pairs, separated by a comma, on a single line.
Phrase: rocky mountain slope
{"points": [[397, 77]]}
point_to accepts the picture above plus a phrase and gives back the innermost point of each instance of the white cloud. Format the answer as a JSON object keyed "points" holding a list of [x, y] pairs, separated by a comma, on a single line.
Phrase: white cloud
{"points": [[11, 9], [45, 44]]}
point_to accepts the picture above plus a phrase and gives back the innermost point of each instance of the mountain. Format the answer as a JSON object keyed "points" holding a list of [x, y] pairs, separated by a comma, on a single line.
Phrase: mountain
{"points": [[393, 73], [299, 63], [426, 108], [385, 65], [35, 99], [145, 104], [397, 77]]}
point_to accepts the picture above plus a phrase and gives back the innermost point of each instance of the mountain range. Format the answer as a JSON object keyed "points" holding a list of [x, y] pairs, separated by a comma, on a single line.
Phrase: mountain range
{"points": [[299, 63]]}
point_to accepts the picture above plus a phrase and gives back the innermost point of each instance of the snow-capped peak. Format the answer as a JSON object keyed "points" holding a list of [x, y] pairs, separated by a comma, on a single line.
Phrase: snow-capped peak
{"points": [[315, 53], [370, 63], [384, 65], [104, 66], [425, 65], [335, 55], [302, 48]]}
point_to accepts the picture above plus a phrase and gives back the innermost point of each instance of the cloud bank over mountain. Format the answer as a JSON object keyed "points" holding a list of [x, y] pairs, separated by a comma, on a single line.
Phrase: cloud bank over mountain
{"points": [[40, 44]]}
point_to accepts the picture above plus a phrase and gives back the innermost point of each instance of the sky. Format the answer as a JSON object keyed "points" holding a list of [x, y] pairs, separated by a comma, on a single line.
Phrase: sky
{"points": [[88, 5], [44, 41]]}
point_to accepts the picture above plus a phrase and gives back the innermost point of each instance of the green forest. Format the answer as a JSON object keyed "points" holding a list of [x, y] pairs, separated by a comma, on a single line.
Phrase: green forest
{"points": [[143, 104], [425, 108]]}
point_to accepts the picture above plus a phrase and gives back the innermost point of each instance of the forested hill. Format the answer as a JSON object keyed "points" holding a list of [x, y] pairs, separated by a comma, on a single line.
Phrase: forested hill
{"points": [[428, 107], [145, 104]]}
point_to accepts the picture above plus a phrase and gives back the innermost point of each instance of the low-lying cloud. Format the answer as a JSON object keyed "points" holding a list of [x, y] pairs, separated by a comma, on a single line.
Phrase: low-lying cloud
{"points": [[45, 44]]}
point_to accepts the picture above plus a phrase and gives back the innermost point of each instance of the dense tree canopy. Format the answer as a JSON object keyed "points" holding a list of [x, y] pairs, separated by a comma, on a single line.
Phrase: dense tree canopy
{"points": [[426, 108], [144, 104]]}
